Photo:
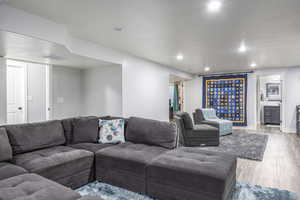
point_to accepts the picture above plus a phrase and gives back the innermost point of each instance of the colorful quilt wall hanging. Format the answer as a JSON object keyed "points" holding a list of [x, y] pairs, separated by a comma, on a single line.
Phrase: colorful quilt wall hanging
{"points": [[228, 96]]}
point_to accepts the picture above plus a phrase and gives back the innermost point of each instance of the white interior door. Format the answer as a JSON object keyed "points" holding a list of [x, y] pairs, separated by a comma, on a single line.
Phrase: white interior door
{"points": [[15, 94]]}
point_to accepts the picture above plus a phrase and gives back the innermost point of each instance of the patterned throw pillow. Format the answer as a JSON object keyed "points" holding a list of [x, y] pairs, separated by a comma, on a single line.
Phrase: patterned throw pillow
{"points": [[111, 131]]}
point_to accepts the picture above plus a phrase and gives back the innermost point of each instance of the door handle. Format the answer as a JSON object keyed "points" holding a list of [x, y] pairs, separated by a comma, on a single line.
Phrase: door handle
{"points": [[20, 108]]}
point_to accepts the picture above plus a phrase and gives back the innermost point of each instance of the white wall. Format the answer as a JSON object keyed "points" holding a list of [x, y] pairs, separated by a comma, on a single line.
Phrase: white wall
{"points": [[66, 92], [102, 91], [292, 97], [36, 92], [251, 101], [145, 90], [145, 83], [193, 95], [2, 91]]}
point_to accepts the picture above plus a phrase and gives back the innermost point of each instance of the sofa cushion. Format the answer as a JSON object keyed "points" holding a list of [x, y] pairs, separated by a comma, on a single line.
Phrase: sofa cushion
{"points": [[34, 187], [8, 170], [151, 132], [124, 165], [57, 162], [68, 126], [68, 129], [187, 120], [30, 137], [5, 148], [85, 129], [92, 147]]}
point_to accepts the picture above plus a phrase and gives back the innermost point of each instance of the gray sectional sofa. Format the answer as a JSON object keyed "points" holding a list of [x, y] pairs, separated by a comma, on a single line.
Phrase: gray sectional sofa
{"points": [[47, 160]]}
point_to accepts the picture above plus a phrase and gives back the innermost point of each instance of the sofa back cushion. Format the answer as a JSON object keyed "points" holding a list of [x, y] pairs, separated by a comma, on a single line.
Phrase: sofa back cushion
{"points": [[151, 132], [5, 148], [29, 137], [68, 129], [68, 125], [187, 120], [85, 129]]}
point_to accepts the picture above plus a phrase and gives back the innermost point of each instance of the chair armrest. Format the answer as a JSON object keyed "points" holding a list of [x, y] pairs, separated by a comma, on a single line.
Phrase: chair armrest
{"points": [[212, 123], [202, 130]]}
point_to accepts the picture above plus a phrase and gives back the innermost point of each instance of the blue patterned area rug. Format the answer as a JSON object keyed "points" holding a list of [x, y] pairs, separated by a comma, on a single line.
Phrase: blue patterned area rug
{"points": [[243, 191]]}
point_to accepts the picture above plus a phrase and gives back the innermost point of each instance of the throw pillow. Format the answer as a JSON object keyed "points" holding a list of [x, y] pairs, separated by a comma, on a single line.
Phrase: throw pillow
{"points": [[111, 131]]}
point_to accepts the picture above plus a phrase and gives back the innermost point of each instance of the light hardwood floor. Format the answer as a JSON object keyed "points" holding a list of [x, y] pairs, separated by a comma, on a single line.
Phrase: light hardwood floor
{"points": [[280, 167]]}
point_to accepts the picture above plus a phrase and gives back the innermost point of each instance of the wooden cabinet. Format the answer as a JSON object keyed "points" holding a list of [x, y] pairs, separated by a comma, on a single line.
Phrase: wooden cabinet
{"points": [[272, 115]]}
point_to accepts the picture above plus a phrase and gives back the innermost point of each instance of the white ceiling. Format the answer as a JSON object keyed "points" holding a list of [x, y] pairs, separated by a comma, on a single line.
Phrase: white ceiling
{"points": [[160, 29], [19, 47]]}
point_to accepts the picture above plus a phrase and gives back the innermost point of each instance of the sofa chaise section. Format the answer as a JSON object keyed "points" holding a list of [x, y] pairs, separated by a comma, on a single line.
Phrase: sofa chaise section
{"points": [[8, 170], [38, 147], [65, 165], [33, 187]]}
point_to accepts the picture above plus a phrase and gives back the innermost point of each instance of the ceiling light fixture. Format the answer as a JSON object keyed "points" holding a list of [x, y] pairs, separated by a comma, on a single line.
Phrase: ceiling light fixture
{"points": [[243, 48], [179, 57], [253, 64], [206, 69], [214, 6]]}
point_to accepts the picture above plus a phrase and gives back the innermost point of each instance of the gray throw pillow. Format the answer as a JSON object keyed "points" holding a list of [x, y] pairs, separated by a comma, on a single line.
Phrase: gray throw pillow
{"points": [[5, 148], [85, 129]]}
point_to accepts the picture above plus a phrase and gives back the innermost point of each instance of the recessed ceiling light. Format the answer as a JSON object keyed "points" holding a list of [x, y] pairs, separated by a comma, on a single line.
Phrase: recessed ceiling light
{"points": [[206, 69], [214, 5], [243, 48], [179, 57], [253, 64]]}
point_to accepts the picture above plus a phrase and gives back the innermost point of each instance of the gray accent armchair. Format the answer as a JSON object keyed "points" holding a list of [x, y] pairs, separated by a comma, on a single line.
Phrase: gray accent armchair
{"points": [[198, 135], [208, 116]]}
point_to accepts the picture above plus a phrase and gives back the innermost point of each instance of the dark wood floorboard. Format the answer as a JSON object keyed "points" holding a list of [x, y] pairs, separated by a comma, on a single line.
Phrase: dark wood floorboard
{"points": [[280, 167]]}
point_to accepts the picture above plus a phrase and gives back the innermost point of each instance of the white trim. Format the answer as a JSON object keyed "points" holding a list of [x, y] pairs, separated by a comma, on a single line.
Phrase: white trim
{"points": [[49, 92], [25, 94]]}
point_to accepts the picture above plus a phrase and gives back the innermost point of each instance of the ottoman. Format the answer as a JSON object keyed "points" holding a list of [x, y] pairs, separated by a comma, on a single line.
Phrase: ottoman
{"points": [[193, 174]]}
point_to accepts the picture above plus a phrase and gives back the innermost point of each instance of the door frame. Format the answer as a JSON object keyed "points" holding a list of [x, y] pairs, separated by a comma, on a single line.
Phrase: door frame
{"points": [[283, 99]]}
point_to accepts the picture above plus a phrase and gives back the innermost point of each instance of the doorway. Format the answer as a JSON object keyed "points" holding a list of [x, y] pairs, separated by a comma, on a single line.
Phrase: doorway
{"points": [[176, 96], [16, 90], [27, 92], [269, 103]]}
